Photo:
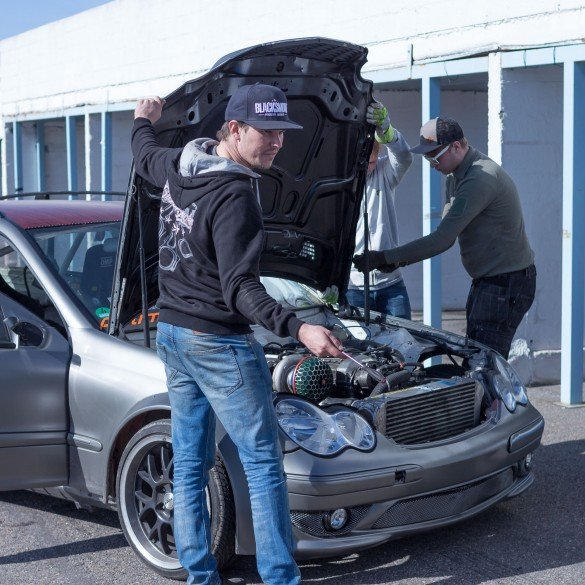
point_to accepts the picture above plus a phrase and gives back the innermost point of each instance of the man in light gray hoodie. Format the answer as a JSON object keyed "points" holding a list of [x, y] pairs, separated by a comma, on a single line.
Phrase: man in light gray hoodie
{"points": [[389, 161]]}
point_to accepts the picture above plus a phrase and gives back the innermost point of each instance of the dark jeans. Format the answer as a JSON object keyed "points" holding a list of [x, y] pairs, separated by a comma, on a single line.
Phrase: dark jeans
{"points": [[496, 306], [391, 300]]}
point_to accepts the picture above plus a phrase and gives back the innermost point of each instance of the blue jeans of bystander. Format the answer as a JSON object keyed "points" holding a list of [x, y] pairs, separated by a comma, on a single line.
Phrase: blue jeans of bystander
{"points": [[228, 376], [391, 300]]}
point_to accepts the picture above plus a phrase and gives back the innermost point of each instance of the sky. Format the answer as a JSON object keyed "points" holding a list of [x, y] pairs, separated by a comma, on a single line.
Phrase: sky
{"points": [[18, 16]]}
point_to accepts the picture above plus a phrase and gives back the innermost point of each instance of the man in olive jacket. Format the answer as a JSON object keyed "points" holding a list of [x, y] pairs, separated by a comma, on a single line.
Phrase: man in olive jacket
{"points": [[483, 211]]}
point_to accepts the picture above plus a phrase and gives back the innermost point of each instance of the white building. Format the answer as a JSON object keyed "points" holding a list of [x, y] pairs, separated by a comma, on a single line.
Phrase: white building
{"points": [[513, 74]]}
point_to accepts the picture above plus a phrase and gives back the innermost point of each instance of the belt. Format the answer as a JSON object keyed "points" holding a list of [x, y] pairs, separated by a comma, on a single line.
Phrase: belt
{"points": [[504, 276]]}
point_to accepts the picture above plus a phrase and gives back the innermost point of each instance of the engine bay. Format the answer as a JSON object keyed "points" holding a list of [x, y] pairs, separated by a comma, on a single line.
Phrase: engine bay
{"points": [[390, 379]]}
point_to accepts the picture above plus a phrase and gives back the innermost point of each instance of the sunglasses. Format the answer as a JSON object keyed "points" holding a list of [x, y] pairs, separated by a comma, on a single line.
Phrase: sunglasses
{"points": [[434, 160]]}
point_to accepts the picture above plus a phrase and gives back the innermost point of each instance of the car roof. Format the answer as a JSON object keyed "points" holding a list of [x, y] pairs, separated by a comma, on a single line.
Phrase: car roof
{"points": [[32, 214]]}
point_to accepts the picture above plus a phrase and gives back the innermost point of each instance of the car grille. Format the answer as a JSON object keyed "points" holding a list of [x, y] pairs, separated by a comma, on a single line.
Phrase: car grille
{"points": [[431, 413], [445, 504], [312, 522]]}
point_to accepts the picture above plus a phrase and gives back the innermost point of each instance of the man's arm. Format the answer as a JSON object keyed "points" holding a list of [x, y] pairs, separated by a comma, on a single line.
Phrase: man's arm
{"points": [[469, 201], [399, 159], [151, 160], [238, 238]]}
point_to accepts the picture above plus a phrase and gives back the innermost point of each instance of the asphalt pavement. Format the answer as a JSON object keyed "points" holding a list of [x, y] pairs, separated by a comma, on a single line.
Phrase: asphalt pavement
{"points": [[538, 537]]}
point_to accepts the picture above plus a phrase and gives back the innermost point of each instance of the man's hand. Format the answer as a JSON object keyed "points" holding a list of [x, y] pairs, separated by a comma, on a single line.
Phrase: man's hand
{"points": [[150, 108], [377, 115], [320, 341], [375, 260]]}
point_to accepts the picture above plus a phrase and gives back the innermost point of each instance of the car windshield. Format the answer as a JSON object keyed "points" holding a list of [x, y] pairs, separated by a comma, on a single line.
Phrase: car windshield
{"points": [[84, 257], [291, 294]]}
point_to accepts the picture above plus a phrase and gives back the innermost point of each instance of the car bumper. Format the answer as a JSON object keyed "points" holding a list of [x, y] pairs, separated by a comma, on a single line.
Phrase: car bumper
{"points": [[421, 489]]}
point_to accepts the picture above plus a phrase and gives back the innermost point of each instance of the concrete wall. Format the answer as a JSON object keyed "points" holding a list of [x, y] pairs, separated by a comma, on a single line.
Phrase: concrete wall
{"points": [[122, 155], [532, 151], [89, 166]]}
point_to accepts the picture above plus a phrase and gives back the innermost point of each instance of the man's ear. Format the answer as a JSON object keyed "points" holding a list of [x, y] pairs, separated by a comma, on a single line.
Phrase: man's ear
{"points": [[234, 129], [457, 146]]}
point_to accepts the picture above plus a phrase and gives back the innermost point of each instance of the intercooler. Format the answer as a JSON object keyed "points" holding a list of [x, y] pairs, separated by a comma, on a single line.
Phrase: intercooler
{"points": [[433, 412]]}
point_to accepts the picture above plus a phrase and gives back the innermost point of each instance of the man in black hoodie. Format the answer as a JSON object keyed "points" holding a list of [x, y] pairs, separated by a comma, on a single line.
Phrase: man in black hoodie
{"points": [[211, 236]]}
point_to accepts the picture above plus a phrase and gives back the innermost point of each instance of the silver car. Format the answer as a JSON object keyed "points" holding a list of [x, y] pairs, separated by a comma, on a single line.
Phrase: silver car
{"points": [[415, 429]]}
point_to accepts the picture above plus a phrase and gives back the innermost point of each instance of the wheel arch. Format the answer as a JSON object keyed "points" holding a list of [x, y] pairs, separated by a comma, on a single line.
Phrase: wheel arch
{"points": [[147, 411], [158, 408]]}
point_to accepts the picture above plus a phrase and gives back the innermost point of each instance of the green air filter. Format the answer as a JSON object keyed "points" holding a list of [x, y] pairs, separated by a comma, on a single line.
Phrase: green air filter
{"points": [[311, 378]]}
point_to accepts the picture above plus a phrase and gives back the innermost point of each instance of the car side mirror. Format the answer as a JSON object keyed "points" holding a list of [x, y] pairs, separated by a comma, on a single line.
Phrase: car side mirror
{"points": [[24, 333]]}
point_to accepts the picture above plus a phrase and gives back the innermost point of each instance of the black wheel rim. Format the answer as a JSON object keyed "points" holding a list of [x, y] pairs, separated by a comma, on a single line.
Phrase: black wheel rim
{"points": [[153, 498]]}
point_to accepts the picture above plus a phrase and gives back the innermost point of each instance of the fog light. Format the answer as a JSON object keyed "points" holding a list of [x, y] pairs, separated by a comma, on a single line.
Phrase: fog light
{"points": [[525, 465], [336, 520]]}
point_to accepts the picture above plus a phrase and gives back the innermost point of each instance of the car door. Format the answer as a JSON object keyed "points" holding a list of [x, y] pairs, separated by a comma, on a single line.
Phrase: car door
{"points": [[34, 361]]}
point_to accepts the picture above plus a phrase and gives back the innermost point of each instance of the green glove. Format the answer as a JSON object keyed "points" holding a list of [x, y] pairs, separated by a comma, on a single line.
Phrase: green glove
{"points": [[330, 295], [377, 115]]}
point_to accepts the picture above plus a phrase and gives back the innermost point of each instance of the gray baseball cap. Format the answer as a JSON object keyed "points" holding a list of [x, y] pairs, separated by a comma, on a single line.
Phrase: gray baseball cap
{"points": [[437, 132]]}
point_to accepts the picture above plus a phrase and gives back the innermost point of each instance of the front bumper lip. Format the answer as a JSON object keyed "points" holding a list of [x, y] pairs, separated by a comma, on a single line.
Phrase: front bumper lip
{"points": [[308, 546]]}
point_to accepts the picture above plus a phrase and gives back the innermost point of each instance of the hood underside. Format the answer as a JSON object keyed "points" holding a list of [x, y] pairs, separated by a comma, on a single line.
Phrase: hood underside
{"points": [[310, 197]]}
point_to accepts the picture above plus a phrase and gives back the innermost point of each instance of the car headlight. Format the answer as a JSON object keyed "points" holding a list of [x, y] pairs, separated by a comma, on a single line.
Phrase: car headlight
{"points": [[507, 384], [320, 432]]}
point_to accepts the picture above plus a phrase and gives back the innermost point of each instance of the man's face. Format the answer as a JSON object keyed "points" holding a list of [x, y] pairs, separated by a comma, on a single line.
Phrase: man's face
{"points": [[259, 147], [446, 158]]}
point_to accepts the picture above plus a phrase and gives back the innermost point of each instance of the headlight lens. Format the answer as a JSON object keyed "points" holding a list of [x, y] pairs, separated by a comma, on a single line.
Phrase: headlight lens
{"points": [[320, 432], [507, 384]]}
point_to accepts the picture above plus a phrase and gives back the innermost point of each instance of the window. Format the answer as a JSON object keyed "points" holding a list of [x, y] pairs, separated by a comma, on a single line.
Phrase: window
{"points": [[19, 283], [84, 257]]}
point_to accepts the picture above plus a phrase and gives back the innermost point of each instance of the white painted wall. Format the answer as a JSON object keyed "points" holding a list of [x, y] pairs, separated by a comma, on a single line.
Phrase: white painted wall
{"points": [[93, 182], [532, 151], [55, 155], [130, 48], [29, 158], [121, 153]]}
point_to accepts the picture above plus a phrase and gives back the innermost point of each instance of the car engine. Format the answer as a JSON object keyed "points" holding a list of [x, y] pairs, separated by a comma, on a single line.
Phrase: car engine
{"points": [[404, 399]]}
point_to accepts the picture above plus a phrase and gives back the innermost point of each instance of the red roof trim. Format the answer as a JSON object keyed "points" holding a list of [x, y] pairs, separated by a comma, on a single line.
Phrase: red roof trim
{"points": [[32, 214]]}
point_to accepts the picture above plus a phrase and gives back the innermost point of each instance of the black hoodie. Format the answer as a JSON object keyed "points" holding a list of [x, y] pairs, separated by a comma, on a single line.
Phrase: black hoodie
{"points": [[210, 239]]}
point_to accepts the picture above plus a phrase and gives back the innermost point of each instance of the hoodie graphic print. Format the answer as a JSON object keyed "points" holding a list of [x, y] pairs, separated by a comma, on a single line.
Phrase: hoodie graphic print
{"points": [[175, 225]]}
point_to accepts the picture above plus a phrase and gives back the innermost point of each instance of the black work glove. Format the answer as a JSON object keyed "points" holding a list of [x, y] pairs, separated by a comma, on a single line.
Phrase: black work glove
{"points": [[375, 260]]}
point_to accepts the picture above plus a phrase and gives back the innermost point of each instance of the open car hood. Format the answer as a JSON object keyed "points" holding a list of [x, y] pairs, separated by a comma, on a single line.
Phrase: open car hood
{"points": [[310, 197]]}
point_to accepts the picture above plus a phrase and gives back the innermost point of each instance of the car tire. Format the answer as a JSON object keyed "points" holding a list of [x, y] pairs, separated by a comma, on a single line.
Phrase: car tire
{"points": [[144, 487]]}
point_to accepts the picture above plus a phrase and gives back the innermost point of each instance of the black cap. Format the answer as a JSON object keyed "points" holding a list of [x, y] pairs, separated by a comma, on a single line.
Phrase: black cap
{"points": [[261, 106], [438, 132]]}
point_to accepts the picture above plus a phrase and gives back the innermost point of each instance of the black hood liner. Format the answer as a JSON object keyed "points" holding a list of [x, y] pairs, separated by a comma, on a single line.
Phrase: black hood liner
{"points": [[310, 197]]}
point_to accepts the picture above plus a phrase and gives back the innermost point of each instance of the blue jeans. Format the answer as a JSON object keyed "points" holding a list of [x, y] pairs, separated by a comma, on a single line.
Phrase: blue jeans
{"points": [[228, 376], [391, 300]]}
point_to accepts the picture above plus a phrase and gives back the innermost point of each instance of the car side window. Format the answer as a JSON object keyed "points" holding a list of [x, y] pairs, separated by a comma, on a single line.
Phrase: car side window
{"points": [[84, 256], [19, 283]]}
